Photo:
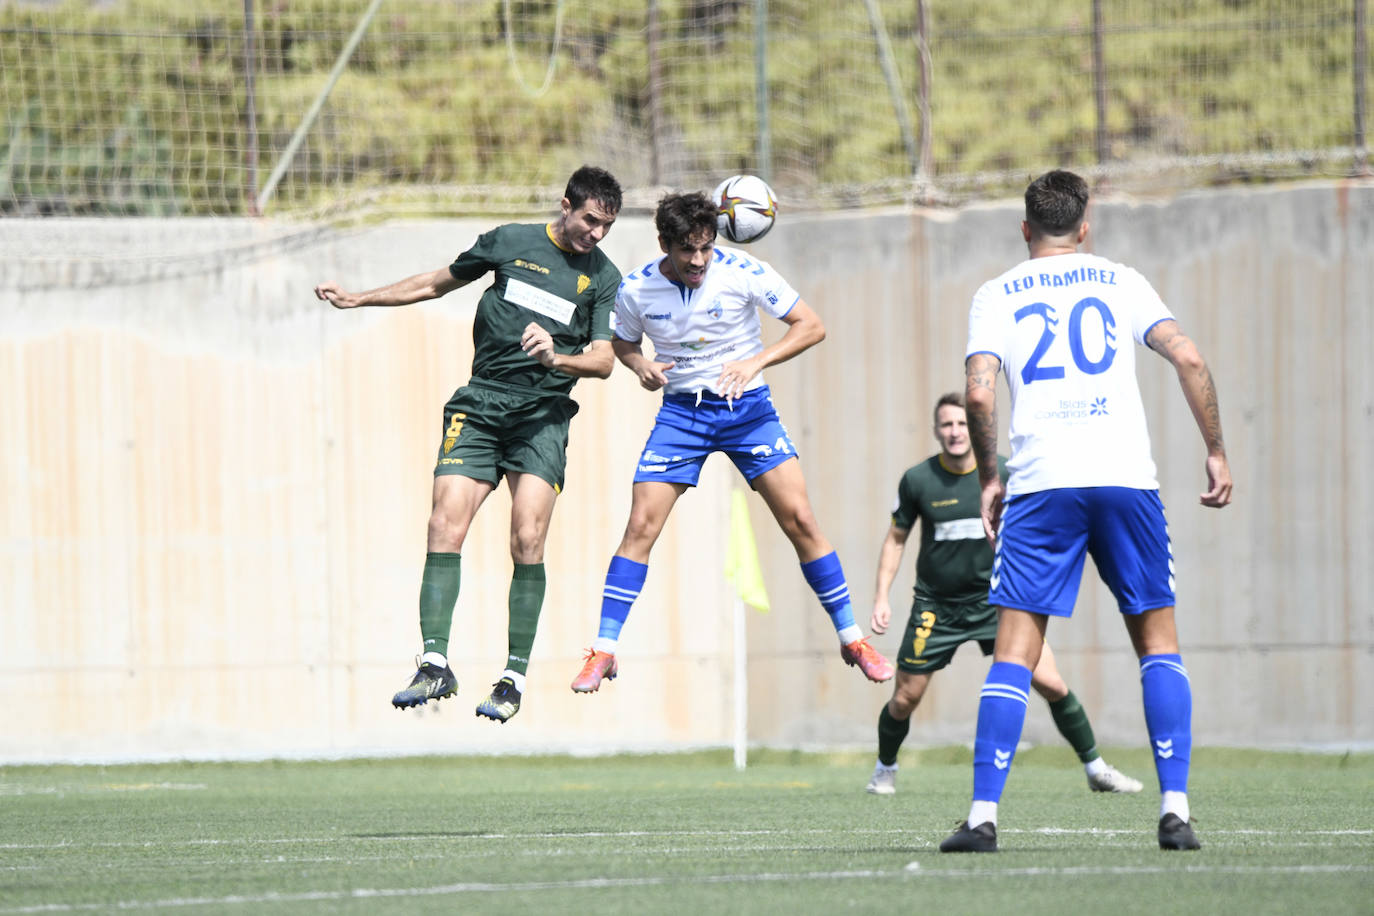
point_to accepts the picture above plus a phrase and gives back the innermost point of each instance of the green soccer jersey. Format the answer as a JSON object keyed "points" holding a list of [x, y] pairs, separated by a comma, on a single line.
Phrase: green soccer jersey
{"points": [[955, 561], [571, 295]]}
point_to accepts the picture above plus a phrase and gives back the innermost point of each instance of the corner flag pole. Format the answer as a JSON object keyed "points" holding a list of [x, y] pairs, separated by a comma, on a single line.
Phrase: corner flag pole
{"points": [[741, 688], [742, 569]]}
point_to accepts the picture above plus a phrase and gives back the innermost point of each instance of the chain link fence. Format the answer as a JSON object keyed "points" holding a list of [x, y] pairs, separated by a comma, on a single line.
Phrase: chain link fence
{"points": [[378, 108]]}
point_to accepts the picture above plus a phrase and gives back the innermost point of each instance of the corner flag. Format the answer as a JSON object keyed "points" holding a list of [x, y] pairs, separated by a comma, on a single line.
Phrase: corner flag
{"points": [[742, 556]]}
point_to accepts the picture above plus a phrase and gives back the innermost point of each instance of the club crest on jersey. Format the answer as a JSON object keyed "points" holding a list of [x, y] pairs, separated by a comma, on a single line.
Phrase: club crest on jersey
{"points": [[583, 281], [715, 310]]}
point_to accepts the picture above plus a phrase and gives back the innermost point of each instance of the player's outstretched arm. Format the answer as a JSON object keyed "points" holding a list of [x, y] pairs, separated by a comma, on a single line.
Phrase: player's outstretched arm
{"points": [[596, 361], [1200, 392], [889, 561], [418, 288], [804, 330]]}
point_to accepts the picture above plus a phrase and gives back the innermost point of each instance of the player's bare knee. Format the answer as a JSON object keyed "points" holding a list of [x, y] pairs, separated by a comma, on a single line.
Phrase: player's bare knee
{"points": [[641, 531], [1052, 689], [902, 705], [446, 533], [802, 529], [527, 543]]}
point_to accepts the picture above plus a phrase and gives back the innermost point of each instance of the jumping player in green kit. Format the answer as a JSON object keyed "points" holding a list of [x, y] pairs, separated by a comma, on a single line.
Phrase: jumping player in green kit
{"points": [[951, 607], [544, 322]]}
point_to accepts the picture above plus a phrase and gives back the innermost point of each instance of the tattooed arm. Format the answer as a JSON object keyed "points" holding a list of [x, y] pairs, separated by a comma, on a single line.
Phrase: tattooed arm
{"points": [[980, 397], [1201, 393]]}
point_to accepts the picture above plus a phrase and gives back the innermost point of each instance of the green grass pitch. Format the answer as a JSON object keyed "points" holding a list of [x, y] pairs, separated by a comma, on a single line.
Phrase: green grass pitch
{"points": [[686, 834]]}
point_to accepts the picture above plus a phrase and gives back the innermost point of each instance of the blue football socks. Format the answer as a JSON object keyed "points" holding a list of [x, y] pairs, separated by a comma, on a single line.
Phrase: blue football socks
{"points": [[1001, 716], [624, 581], [826, 579], [1168, 699]]}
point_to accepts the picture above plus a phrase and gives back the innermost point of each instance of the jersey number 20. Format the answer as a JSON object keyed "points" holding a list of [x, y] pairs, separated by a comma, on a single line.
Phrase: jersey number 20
{"points": [[1033, 371]]}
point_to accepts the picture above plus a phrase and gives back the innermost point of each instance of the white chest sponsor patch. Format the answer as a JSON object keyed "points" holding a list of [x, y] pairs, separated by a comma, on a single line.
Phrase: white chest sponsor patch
{"points": [[961, 529], [537, 300]]}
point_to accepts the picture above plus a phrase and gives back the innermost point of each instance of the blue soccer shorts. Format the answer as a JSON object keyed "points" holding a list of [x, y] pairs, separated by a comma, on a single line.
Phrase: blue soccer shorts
{"points": [[687, 430], [1044, 537]]}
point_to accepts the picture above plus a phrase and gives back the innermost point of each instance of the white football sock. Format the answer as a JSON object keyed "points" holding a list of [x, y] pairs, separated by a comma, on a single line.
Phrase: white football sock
{"points": [[1095, 766], [1175, 802], [434, 658], [982, 812], [517, 677], [605, 644]]}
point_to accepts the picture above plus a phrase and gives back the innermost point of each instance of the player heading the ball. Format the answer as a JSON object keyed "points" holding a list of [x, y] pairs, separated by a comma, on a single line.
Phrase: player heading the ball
{"points": [[699, 306]]}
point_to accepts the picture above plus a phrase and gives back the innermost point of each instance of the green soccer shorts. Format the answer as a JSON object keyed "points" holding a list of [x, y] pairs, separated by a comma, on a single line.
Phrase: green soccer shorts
{"points": [[935, 630], [491, 429]]}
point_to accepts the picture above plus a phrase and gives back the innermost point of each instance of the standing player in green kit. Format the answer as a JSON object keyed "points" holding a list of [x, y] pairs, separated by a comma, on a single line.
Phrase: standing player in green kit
{"points": [[951, 606], [544, 322]]}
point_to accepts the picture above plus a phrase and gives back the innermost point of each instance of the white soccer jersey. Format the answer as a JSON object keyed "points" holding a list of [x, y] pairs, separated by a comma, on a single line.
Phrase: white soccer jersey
{"points": [[702, 329], [1058, 325]]}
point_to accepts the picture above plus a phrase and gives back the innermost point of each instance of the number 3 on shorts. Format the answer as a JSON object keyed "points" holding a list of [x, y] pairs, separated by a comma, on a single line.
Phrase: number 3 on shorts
{"points": [[918, 645], [455, 427]]}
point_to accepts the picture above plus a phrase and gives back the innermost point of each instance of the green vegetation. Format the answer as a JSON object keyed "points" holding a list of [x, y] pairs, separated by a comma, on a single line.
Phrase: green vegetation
{"points": [[793, 833], [141, 106]]}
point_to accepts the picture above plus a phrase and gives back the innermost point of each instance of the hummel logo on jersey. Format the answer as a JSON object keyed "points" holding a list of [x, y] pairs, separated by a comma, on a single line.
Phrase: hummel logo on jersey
{"points": [[1164, 748], [1001, 759], [658, 316]]}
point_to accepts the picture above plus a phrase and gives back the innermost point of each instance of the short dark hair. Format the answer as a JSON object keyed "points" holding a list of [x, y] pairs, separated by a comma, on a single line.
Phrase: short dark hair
{"points": [[679, 217], [1056, 202], [592, 183], [948, 399]]}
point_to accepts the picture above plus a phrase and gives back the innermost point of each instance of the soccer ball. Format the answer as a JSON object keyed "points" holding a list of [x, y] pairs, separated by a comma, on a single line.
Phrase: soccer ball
{"points": [[746, 208]]}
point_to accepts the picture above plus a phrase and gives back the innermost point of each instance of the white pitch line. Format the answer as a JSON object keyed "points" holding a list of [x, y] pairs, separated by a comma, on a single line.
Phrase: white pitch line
{"points": [[916, 835], [446, 890], [10, 789], [60, 864]]}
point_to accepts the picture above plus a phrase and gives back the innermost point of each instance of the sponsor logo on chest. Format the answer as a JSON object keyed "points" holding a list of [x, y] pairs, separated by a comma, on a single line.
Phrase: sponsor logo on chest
{"points": [[538, 300]]}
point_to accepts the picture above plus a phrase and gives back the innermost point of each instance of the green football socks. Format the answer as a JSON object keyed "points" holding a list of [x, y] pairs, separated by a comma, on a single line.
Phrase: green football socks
{"points": [[438, 595], [1072, 721], [891, 733], [526, 600]]}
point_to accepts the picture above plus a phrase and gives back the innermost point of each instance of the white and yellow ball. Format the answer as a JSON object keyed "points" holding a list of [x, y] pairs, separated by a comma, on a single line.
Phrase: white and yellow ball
{"points": [[746, 208]]}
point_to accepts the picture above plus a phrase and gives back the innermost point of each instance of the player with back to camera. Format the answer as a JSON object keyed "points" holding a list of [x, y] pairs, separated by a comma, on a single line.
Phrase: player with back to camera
{"points": [[1081, 480], [699, 306], [950, 606], [542, 324]]}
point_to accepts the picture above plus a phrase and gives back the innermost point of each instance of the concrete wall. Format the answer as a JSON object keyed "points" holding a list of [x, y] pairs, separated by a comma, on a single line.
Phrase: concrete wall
{"points": [[213, 490]]}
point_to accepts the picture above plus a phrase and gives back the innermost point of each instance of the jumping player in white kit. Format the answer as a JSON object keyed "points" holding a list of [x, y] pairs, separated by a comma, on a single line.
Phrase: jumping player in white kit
{"points": [[699, 306], [1063, 326]]}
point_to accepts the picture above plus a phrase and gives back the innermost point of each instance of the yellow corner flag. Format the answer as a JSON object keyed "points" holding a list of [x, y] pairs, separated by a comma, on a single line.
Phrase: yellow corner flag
{"points": [[742, 556]]}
